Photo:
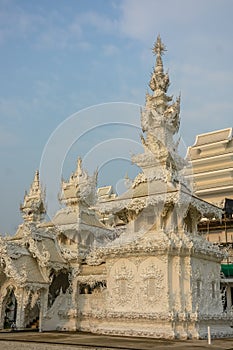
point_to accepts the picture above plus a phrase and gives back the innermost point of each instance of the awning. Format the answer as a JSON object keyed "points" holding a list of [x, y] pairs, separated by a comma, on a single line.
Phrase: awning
{"points": [[227, 269]]}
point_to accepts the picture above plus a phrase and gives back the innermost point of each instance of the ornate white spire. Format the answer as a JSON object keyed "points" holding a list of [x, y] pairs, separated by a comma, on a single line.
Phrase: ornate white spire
{"points": [[160, 121], [159, 80], [33, 208], [81, 188]]}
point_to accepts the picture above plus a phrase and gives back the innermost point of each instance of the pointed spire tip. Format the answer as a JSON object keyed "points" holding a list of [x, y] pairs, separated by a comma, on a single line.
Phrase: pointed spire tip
{"points": [[159, 47]]}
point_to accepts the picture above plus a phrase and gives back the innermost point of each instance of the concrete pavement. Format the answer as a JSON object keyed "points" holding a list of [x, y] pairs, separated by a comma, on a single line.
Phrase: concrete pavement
{"points": [[92, 341]]}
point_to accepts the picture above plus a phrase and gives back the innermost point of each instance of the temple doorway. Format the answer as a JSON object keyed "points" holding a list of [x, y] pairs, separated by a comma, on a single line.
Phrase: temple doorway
{"points": [[32, 316], [10, 309], [59, 284]]}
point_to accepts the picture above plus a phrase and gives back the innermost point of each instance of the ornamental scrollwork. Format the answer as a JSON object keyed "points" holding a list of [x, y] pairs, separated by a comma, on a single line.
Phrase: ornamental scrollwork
{"points": [[123, 288], [136, 205], [152, 286], [69, 254], [12, 272], [3, 250], [140, 178], [91, 280], [9, 267], [43, 257]]}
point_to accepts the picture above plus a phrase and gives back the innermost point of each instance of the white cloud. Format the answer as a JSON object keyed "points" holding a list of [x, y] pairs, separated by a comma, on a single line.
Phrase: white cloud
{"points": [[15, 23], [143, 19], [97, 21], [60, 35], [51, 29], [110, 50]]}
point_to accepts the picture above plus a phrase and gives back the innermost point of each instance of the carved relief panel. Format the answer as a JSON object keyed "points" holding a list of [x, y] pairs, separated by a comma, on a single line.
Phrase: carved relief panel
{"points": [[122, 284], [137, 285], [206, 287], [152, 282]]}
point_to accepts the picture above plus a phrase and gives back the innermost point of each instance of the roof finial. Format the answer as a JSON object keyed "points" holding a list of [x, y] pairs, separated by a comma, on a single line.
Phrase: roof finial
{"points": [[159, 47], [79, 166], [80, 188], [35, 186], [33, 207], [159, 81]]}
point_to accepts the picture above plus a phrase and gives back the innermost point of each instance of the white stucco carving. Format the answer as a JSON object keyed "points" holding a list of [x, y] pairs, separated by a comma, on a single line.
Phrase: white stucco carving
{"points": [[146, 273]]}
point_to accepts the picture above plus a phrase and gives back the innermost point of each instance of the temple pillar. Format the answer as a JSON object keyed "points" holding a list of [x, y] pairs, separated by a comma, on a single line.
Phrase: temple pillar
{"points": [[229, 300], [43, 306], [1, 315], [4, 292], [20, 315], [75, 290]]}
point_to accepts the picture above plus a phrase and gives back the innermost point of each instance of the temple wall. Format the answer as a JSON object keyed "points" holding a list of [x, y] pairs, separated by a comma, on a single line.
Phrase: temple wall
{"points": [[206, 286], [137, 284], [92, 303], [179, 283]]}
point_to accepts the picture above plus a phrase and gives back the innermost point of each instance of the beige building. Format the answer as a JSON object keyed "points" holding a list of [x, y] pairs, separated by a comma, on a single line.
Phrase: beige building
{"points": [[212, 165], [212, 172]]}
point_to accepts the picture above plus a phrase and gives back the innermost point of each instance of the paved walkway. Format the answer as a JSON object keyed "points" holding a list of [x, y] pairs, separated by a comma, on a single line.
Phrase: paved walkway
{"points": [[66, 341]]}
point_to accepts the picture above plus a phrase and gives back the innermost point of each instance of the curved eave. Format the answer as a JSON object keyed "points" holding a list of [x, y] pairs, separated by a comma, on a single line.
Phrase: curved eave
{"points": [[211, 159], [222, 135], [205, 208], [213, 173], [214, 190]]}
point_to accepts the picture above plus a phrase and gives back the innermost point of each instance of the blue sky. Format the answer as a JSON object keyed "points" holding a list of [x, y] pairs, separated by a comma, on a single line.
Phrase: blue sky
{"points": [[59, 57]]}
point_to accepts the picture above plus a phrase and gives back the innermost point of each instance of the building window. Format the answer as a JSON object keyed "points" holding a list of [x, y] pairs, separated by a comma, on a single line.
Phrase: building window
{"points": [[84, 288]]}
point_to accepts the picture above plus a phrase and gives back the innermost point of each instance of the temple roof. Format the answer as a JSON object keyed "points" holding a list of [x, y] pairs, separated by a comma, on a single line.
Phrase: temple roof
{"points": [[29, 251], [223, 135], [80, 188], [162, 177], [33, 208]]}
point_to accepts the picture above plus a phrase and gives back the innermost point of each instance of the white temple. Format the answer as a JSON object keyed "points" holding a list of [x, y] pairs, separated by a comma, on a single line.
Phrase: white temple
{"points": [[145, 271]]}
